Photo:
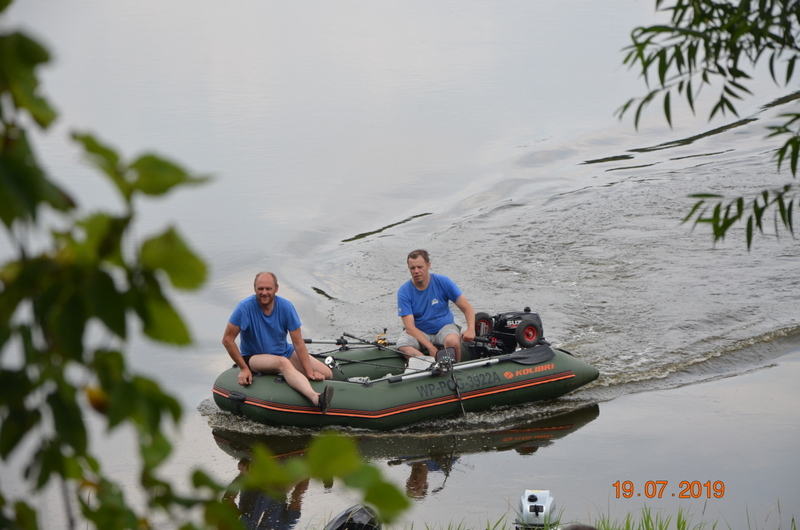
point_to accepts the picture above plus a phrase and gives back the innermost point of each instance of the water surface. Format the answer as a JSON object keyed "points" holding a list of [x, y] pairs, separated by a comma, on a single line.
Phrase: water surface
{"points": [[342, 135]]}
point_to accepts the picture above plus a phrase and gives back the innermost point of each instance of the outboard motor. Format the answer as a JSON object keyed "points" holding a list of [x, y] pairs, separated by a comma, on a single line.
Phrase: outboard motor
{"points": [[506, 331], [536, 510]]}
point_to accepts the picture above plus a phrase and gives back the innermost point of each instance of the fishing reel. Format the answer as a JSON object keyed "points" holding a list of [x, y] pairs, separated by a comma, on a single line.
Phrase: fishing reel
{"points": [[331, 363], [381, 339], [444, 361]]}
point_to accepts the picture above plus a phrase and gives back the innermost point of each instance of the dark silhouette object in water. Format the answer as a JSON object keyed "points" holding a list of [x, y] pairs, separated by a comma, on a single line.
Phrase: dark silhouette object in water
{"points": [[357, 517], [259, 511]]}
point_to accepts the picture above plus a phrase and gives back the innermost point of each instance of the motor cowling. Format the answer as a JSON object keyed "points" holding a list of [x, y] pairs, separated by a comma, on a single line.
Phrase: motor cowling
{"points": [[518, 328], [504, 332]]}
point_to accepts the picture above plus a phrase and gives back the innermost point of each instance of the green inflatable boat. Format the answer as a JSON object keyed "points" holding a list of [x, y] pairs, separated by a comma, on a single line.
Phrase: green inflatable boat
{"points": [[374, 389]]}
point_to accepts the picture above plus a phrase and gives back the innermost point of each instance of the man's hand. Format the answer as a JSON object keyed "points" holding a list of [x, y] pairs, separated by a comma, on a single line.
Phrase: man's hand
{"points": [[316, 376], [468, 336], [245, 376], [432, 349]]}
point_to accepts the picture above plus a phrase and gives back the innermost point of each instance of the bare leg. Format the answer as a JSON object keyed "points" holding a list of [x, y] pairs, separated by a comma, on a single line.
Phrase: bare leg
{"points": [[411, 351], [454, 341], [316, 365], [273, 364]]}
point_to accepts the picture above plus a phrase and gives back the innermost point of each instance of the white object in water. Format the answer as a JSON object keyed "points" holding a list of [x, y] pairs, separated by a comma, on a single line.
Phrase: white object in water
{"points": [[536, 509]]}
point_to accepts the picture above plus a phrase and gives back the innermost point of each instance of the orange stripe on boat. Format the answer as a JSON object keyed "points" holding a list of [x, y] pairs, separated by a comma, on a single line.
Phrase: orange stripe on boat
{"points": [[417, 405]]}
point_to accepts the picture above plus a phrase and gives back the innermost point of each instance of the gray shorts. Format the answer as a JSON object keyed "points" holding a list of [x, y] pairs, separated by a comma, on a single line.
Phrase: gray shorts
{"points": [[438, 339]]}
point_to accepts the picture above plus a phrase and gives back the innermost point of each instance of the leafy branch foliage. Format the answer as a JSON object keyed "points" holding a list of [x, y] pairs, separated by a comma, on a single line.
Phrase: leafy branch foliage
{"points": [[90, 273], [712, 40]]}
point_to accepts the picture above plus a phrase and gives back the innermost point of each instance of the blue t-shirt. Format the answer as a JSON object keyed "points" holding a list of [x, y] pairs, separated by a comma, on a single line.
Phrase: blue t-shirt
{"points": [[265, 334], [431, 306]]}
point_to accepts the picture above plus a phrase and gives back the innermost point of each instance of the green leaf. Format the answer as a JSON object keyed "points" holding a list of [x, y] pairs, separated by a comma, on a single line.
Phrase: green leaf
{"points": [[169, 253], [19, 58], [163, 323], [107, 160], [122, 403], [24, 185], [48, 461], [332, 455], [160, 320], [389, 500], [68, 418], [200, 479], [364, 477], [154, 403], [68, 322], [267, 474], [17, 422], [155, 449], [109, 366], [99, 239], [157, 176], [694, 209], [221, 515], [106, 302], [667, 110], [25, 516]]}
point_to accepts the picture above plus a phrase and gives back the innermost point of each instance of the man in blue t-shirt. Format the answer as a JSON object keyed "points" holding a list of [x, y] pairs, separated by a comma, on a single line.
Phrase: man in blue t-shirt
{"points": [[423, 304], [261, 321]]}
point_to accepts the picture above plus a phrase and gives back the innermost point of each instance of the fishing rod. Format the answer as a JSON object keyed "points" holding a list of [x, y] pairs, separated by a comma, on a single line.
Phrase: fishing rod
{"points": [[344, 345], [430, 363], [384, 345], [339, 342]]}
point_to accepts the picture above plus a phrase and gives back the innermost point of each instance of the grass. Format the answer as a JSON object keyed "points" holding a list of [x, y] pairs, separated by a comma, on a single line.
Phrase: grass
{"points": [[645, 519], [648, 520]]}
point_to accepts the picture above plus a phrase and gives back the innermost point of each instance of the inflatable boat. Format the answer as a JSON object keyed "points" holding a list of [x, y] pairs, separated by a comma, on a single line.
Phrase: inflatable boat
{"points": [[375, 389]]}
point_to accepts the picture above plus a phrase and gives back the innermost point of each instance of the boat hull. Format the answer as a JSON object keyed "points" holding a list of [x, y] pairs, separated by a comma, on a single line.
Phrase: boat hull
{"points": [[399, 446], [387, 399]]}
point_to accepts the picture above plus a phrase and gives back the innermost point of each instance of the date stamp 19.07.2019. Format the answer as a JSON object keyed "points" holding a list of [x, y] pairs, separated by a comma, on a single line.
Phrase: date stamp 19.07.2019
{"points": [[657, 489]]}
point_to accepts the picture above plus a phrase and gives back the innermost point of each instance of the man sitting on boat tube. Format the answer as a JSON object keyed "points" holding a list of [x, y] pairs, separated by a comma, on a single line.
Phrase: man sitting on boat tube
{"points": [[423, 304], [262, 321]]}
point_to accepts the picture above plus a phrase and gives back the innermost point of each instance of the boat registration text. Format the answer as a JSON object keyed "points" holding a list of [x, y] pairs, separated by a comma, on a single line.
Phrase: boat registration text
{"points": [[465, 382]]}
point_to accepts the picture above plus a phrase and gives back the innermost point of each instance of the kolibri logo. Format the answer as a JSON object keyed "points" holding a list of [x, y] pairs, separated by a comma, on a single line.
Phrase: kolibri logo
{"points": [[528, 371]]}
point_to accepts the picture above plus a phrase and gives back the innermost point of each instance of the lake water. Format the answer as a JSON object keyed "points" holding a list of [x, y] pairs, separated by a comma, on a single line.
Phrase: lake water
{"points": [[342, 135]]}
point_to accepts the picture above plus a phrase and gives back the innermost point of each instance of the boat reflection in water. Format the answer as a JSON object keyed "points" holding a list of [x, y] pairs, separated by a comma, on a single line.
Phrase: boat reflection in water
{"points": [[258, 510], [422, 453]]}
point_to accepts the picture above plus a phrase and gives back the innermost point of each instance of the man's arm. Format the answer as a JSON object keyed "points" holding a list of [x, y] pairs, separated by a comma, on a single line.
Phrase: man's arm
{"points": [[411, 329], [229, 341], [463, 304]]}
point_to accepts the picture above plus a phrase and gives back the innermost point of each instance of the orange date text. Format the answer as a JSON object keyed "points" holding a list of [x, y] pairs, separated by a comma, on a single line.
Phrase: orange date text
{"points": [[657, 489]]}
